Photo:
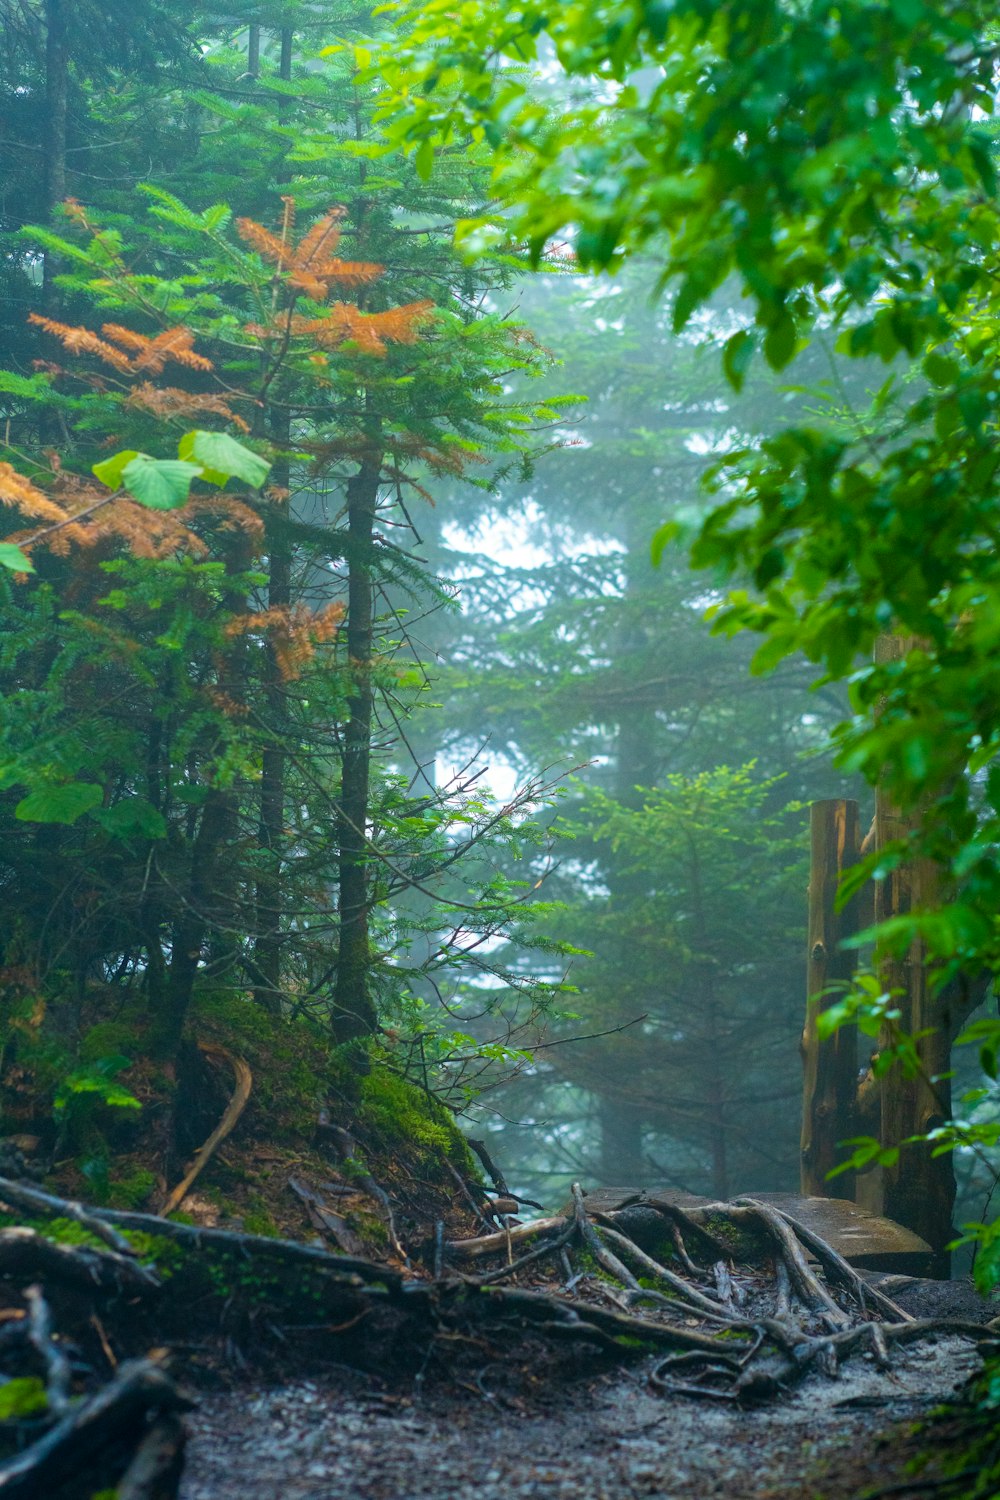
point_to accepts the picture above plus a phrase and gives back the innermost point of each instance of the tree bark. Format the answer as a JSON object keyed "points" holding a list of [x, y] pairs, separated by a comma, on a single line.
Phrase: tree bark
{"points": [[56, 107], [918, 1190], [267, 948], [353, 1009], [829, 1068], [215, 832]]}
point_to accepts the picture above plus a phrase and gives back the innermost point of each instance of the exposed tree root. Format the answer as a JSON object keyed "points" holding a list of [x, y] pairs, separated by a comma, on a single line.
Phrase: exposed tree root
{"points": [[94, 1444], [740, 1334], [25, 1252]]}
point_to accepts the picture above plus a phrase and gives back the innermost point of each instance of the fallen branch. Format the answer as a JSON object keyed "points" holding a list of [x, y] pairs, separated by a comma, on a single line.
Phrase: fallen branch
{"points": [[58, 1374], [237, 1104], [35, 1201], [550, 1247], [348, 1148], [26, 1252], [485, 1245]]}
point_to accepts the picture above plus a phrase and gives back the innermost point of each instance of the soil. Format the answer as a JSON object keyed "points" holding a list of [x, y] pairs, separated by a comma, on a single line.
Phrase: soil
{"points": [[607, 1437]]}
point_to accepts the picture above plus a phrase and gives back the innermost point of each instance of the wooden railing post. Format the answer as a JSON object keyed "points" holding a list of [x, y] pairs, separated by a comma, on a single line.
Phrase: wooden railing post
{"points": [[830, 1068]]}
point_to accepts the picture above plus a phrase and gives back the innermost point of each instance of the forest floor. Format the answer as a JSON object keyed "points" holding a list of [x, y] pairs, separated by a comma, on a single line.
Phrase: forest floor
{"points": [[603, 1437]]}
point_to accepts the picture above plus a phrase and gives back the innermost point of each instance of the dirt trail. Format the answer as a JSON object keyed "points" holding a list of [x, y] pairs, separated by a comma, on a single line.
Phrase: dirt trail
{"points": [[606, 1438]]}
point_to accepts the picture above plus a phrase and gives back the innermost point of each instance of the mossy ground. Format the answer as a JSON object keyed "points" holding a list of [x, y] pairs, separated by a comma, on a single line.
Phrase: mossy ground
{"points": [[129, 1157]]}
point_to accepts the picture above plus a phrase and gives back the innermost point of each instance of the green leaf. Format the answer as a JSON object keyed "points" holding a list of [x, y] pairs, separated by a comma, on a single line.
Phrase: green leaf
{"points": [[12, 557], [424, 159], [59, 804], [940, 370], [134, 818], [780, 342], [110, 470], [736, 357], [159, 483], [662, 537], [222, 458]]}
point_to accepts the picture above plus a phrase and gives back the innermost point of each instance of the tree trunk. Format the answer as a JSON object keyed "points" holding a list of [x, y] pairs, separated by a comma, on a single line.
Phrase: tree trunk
{"points": [[621, 1120], [830, 1068], [621, 1142], [268, 945], [353, 1009], [918, 1190], [56, 100], [267, 948], [215, 831]]}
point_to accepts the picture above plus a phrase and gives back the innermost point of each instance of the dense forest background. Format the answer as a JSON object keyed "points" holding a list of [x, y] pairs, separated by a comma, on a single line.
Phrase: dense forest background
{"points": [[407, 746]]}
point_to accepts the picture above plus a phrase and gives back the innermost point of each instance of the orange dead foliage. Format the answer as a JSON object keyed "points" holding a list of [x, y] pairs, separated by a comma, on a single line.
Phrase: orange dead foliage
{"points": [[169, 402], [149, 355], [293, 632], [311, 267]]}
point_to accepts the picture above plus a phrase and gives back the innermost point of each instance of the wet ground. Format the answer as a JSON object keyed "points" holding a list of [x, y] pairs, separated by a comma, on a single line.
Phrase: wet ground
{"points": [[603, 1438]]}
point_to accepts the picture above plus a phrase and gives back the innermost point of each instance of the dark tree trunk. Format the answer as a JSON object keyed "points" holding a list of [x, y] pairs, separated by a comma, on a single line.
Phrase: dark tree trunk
{"points": [[267, 949], [215, 832], [621, 1119], [829, 1068], [353, 1009], [621, 1142], [56, 97]]}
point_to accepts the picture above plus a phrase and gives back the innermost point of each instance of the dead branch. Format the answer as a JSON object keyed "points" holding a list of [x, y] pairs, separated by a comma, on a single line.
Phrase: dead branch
{"points": [[237, 1104], [78, 1442], [58, 1374], [550, 1247], [489, 1165], [323, 1218], [25, 1251], [348, 1147], [35, 1201], [155, 1471], [485, 1245]]}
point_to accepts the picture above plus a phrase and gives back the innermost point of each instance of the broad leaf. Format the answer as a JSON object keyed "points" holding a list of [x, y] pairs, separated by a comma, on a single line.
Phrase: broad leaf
{"points": [[110, 470], [13, 558], [159, 483], [59, 804], [222, 458]]}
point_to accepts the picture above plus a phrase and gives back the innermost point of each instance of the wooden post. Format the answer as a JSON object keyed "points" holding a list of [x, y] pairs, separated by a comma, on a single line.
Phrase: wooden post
{"points": [[830, 1067], [918, 1190]]}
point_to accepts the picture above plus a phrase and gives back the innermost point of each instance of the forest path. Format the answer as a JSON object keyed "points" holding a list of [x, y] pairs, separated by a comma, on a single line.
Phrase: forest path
{"points": [[603, 1438]]}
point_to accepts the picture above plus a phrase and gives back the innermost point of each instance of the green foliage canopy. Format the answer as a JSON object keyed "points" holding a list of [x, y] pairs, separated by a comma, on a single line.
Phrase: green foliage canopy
{"points": [[834, 158]]}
